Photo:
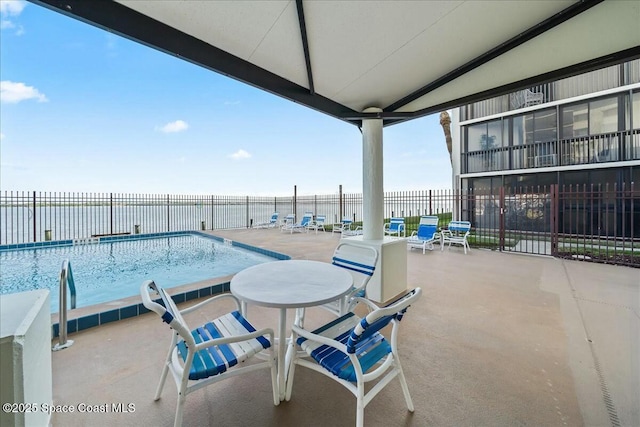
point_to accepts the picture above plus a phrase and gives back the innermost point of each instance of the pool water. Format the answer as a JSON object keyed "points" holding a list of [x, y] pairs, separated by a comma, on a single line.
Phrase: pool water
{"points": [[113, 270]]}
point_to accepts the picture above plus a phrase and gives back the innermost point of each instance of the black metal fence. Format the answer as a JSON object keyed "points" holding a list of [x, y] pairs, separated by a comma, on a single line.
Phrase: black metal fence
{"points": [[591, 223]]}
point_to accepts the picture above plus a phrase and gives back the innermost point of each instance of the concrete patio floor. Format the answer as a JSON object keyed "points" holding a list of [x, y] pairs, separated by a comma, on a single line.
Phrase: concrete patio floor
{"points": [[496, 340]]}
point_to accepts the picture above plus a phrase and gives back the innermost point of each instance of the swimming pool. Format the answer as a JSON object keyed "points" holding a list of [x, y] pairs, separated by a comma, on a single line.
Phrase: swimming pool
{"points": [[114, 268]]}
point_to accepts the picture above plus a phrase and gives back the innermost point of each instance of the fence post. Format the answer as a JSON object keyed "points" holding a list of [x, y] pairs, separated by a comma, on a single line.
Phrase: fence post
{"points": [[340, 203], [249, 221], [34, 217], [501, 244], [295, 200], [168, 215], [554, 219], [111, 213]]}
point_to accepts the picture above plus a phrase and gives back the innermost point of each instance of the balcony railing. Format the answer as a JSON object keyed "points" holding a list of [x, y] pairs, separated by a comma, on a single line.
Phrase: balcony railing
{"points": [[606, 147]]}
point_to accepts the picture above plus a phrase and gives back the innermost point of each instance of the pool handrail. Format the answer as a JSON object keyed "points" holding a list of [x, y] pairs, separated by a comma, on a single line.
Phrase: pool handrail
{"points": [[66, 280]]}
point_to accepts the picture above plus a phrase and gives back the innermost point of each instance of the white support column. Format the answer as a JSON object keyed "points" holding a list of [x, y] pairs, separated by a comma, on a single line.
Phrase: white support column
{"points": [[372, 183]]}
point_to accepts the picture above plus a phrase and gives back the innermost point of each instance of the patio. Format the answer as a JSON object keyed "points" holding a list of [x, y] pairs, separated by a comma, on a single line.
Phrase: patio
{"points": [[496, 339]]}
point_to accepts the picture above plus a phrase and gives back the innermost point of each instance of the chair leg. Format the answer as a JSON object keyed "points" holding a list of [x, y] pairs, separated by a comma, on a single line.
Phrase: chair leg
{"points": [[179, 409], [163, 376], [274, 378], [405, 387], [289, 382], [360, 406]]}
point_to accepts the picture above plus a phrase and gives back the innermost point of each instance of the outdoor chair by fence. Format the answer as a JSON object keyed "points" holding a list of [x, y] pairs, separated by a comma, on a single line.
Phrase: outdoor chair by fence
{"points": [[354, 351], [210, 353], [352, 231], [273, 222], [288, 222], [317, 224], [456, 233], [360, 261], [426, 234], [307, 218], [395, 227], [339, 227]]}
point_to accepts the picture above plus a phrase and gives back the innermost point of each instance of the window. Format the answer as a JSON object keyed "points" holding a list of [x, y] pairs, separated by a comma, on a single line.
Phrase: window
{"points": [[603, 116], [593, 118], [575, 121], [545, 125], [635, 112], [484, 136]]}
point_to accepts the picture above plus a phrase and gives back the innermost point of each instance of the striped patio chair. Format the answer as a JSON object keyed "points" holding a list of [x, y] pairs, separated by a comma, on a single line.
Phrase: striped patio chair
{"points": [[426, 234], [395, 227], [353, 351], [456, 233], [360, 261], [210, 353], [273, 222]]}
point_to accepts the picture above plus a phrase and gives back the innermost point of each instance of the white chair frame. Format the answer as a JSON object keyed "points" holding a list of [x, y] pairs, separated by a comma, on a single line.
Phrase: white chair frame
{"points": [[180, 367], [387, 367], [456, 233]]}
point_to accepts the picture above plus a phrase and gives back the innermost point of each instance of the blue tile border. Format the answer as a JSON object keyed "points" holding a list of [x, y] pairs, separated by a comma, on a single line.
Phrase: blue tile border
{"points": [[122, 313]]}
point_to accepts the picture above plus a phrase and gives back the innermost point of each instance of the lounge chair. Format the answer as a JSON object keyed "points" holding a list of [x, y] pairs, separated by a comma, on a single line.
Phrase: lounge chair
{"points": [[395, 227], [217, 350], [339, 227], [302, 225], [456, 233], [288, 222], [426, 234], [354, 351], [273, 222], [317, 224], [352, 231]]}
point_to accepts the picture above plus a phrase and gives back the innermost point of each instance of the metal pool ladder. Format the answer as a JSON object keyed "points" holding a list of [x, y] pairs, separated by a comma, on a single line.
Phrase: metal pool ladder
{"points": [[66, 279]]}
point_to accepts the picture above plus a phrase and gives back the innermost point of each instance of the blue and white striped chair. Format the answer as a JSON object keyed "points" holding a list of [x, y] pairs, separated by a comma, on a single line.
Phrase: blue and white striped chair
{"points": [[360, 261], [273, 222], [210, 353], [426, 234], [395, 227], [353, 351], [457, 233]]}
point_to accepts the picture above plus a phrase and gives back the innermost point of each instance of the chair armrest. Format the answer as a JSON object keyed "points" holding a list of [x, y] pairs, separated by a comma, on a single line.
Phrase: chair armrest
{"points": [[370, 305], [319, 338], [236, 338], [210, 300]]}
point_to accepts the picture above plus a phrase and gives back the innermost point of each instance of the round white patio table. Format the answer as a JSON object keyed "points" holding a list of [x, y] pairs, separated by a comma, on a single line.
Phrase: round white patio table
{"points": [[287, 285]]}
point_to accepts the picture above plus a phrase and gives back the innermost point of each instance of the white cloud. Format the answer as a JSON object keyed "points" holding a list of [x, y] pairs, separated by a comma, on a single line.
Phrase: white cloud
{"points": [[8, 9], [240, 154], [12, 92], [12, 7], [177, 126]]}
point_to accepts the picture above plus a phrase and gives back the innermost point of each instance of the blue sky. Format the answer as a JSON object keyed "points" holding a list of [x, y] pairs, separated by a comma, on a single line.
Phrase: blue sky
{"points": [[84, 110]]}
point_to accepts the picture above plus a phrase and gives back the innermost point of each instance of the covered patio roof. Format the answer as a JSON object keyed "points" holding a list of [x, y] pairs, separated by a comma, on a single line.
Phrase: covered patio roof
{"points": [[409, 58]]}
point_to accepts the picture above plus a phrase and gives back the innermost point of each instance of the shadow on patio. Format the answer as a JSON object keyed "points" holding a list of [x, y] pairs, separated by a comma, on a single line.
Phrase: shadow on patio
{"points": [[496, 339]]}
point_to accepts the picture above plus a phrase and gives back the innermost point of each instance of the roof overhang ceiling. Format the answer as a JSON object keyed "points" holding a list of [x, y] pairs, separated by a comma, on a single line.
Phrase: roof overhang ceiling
{"points": [[409, 58]]}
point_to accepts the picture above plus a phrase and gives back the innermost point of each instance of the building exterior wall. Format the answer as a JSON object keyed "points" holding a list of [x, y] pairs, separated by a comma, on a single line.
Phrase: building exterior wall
{"points": [[581, 130]]}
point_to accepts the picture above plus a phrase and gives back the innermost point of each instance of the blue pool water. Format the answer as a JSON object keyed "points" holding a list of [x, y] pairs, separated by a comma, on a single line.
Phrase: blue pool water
{"points": [[113, 270]]}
